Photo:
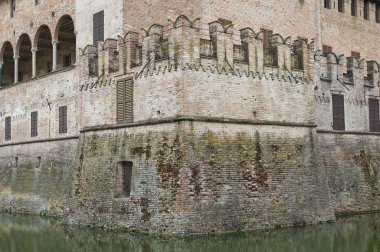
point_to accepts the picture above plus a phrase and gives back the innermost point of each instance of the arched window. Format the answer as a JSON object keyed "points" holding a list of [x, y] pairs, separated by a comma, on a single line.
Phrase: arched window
{"points": [[66, 39], [43, 42], [24, 49], [7, 70]]}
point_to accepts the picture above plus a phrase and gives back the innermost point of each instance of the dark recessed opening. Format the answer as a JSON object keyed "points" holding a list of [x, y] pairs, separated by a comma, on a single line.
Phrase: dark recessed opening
{"points": [[123, 179]]}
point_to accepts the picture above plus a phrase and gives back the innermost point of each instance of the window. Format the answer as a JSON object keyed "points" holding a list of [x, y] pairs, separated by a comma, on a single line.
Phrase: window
{"points": [[377, 12], [8, 128], [374, 120], [266, 37], [123, 180], [355, 54], [13, 8], [366, 9], [67, 60], [354, 4], [338, 112], [328, 4], [98, 27], [326, 49], [33, 124], [62, 120], [37, 2], [125, 100], [341, 6]]}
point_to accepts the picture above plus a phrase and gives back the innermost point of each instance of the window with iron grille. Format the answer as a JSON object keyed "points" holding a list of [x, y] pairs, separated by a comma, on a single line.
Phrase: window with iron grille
{"points": [[124, 99], [8, 128], [354, 4], [338, 112], [98, 27], [374, 115], [62, 120], [341, 6], [123, 180], [34, 123], [328, 4], [366, 9], [355, 54]]}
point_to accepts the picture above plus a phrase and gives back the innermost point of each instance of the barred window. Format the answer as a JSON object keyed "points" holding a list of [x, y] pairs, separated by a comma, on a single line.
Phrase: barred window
{"points": [[123, 180]]}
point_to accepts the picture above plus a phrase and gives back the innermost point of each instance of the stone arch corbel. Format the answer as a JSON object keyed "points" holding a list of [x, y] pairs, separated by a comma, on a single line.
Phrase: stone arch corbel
{"points": [[280, 39], [247, 33], [184, 20]]}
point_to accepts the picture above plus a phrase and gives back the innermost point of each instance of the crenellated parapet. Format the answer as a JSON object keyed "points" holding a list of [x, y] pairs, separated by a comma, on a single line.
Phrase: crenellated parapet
{"points": [[186, 42], [349, 74]]}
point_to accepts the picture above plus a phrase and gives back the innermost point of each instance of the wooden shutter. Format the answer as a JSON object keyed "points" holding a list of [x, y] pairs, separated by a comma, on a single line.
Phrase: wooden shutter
{"points": [[338, 112], [374, 115], [34, 123], [63, 120], [124, 96], [98, 27], [8, 128], [101, 26]]}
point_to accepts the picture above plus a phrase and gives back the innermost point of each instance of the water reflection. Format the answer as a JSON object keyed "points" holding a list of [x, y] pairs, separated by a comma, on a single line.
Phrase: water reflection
{"points": [[19, 233]]}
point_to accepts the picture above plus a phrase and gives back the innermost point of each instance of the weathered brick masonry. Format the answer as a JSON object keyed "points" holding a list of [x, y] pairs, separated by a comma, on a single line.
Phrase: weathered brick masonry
{"points": [[224, 126]]}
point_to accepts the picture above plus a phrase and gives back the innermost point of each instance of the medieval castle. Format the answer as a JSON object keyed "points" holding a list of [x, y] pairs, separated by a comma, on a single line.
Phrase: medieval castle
{"points": [[178, 116]]}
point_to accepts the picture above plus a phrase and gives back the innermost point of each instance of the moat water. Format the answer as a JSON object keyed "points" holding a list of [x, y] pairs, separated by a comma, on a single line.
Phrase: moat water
{"points": [[24, 234]]}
